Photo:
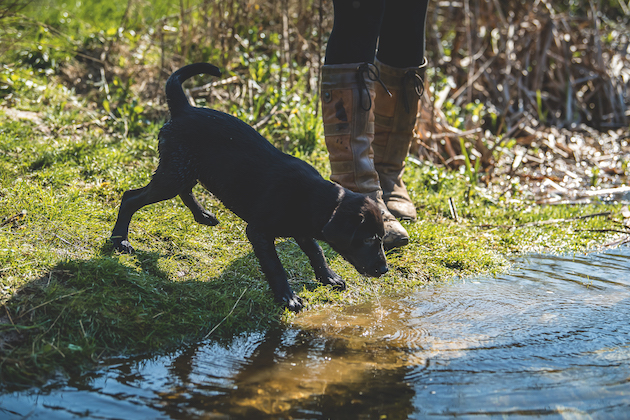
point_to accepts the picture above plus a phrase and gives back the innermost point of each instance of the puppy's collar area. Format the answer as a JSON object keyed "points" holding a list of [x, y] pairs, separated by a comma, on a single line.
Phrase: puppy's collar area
{"points": [[340, 195]]}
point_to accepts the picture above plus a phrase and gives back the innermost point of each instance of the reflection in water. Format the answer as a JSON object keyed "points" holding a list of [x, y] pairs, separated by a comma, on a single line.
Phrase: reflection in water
{"points": [[551, 339]]}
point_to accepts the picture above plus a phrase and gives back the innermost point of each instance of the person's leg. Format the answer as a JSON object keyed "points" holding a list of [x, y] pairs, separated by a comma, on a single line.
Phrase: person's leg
{"points": [[355, 31], [401, 62], [402, 34]]}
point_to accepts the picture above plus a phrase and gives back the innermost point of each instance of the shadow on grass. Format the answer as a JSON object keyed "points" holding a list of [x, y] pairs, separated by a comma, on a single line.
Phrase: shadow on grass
{"points": [[81, 310]]}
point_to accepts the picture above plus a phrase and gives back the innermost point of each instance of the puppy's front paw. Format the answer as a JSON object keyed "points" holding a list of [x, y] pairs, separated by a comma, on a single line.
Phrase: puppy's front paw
{"points": [[292, 301], [335, 281], [207, 218], [122, 246]]}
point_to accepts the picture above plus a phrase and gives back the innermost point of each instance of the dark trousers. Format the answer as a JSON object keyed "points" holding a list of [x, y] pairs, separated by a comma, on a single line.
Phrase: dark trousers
{"points": [[396, 27]]}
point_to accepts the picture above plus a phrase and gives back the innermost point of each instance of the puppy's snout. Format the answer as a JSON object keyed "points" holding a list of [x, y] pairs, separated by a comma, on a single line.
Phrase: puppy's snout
{"points": [[382, 270]]}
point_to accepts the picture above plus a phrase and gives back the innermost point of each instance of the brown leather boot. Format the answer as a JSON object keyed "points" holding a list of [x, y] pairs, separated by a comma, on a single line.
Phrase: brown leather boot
{"points": [[395, 118], [347, 94]]}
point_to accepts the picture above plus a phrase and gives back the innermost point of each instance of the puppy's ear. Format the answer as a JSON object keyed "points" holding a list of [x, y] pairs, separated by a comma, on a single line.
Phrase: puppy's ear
{"points": [[341, 228]]}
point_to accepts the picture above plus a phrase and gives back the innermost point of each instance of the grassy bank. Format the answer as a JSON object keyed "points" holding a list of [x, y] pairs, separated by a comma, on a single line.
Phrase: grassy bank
{"points": [[68, 299]]}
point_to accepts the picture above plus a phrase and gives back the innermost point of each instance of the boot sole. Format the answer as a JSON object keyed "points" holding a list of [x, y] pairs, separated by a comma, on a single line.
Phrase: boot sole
{"points": [[396, 244], [399, 215], [402, 216]]}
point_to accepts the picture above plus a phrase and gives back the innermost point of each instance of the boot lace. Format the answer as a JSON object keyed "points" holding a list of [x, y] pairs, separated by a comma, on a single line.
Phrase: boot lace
{"points": [[370, 71], [413, 77]]}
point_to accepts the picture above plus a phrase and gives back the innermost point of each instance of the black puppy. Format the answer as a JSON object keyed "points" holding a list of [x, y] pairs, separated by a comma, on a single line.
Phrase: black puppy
{"points": [[277, 194]]}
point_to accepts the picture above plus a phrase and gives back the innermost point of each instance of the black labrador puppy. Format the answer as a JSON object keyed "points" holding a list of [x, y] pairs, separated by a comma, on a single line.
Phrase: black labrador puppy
{"points": [[277, 194]]}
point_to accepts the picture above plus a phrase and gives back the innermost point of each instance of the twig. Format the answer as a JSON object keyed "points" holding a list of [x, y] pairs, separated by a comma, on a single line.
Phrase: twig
{"points": [[601, 230], [55, 321], [426, 146], [57, 348], [52, 300], [208, 86], [457, 134], [226, 317], [471, 64], [605, 191], [123, 20], [266, 118], [10, 319], [547, 222], [451, 205], [62, 240], [473, 78], [82, 329], [499, 10], [618, 242], [15, 218]]}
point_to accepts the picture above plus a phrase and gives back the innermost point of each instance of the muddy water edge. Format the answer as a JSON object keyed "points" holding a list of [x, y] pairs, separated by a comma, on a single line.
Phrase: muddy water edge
{"points": [[550, 338]]}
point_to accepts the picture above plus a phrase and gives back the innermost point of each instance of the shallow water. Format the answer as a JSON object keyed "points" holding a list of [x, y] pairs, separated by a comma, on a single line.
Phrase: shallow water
{"points": [[549, 340]]}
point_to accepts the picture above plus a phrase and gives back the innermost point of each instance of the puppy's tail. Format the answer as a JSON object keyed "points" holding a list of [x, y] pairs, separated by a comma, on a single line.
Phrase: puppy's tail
{"points": [[175, 96]]}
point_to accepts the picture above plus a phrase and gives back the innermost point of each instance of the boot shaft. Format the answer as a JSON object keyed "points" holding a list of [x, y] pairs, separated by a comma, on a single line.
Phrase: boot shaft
{"points": [[347, 95], [395, 118], [395, 114]]}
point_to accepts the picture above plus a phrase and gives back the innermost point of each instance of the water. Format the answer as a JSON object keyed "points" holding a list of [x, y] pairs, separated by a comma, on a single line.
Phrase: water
{"points": [[551, 339]]}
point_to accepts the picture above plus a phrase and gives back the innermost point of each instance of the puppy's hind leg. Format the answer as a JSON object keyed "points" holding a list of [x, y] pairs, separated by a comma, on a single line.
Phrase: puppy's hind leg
{"points": [[201, 215], [323, 272], [159, 189]]}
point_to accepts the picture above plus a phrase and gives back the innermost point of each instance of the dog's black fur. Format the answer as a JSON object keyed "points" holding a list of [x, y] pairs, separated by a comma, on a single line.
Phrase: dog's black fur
{"points": [[277, 194]]}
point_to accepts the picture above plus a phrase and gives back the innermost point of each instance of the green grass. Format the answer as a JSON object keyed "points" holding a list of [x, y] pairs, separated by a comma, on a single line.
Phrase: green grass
{"points": [[68, 299]]}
